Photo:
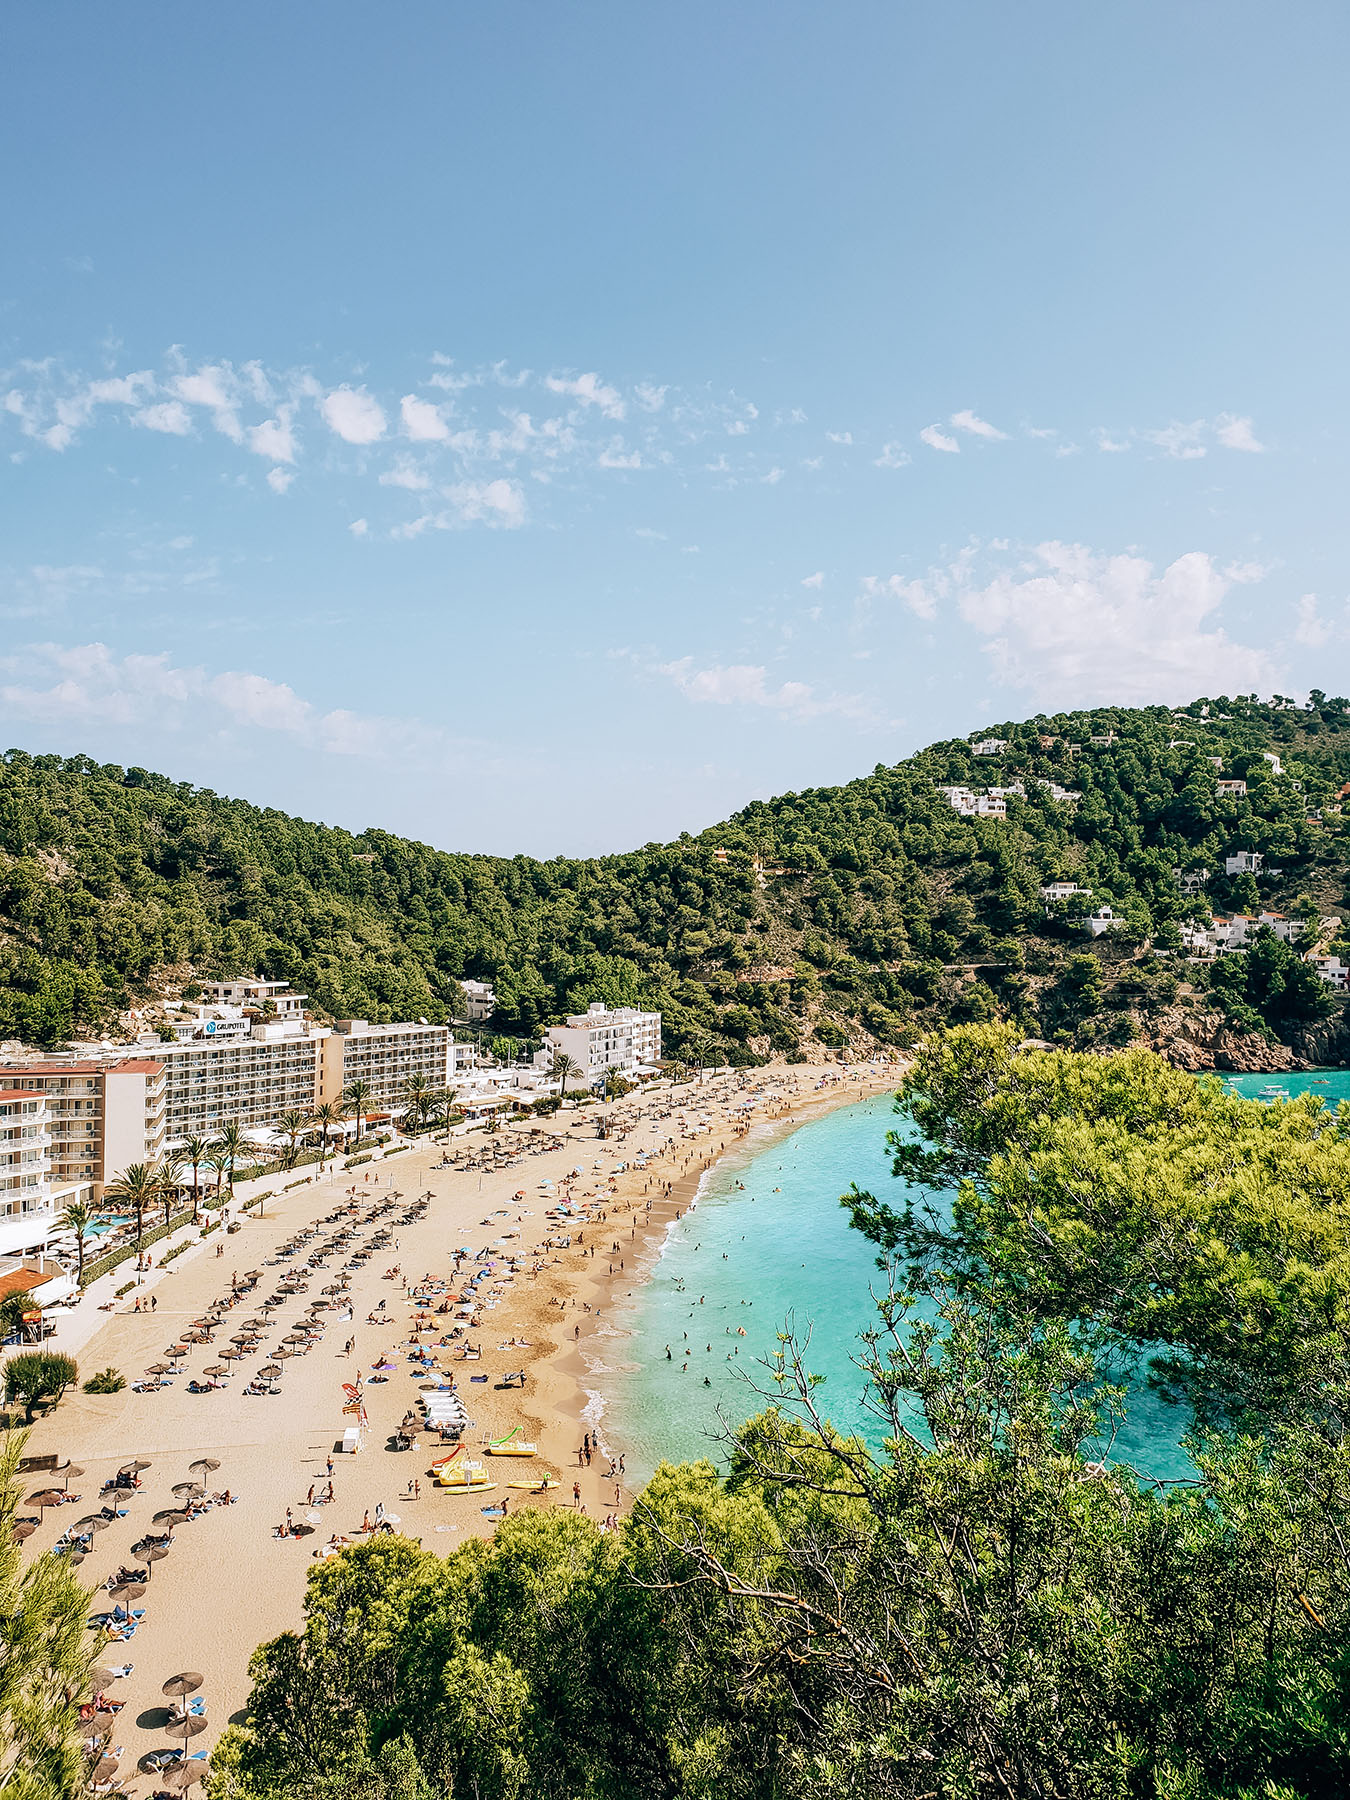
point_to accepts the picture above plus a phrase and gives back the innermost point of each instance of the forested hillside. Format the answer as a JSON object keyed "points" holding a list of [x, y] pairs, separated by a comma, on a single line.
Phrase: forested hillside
{"points": [[875, 909]]}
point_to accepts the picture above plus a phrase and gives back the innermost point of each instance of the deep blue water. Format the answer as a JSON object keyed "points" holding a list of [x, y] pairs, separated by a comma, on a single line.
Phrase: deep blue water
{"points": [[782, 1251]]}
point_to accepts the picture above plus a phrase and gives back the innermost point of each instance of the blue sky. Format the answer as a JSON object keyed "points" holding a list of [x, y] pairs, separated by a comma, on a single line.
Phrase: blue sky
{"points": [[547, 428]]}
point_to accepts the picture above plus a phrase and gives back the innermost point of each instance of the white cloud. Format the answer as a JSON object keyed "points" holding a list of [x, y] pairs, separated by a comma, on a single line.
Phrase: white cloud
{"points": [[1180, 441], [590, 391], [1075, 627], [493, 502], [737, 684], [616, 456], [422, 421], [406, 475], [814, 581], [737, 428], [893, 457], [79, 686], [353, 414], [275, 438], [213, 387], [921, 599], [838, 437], [1237, 434], [650, 398], [774, 476], [169, 416], [359, 527], [977, 427], [1112, 446], [1312, 630], [937, 439], [280, 479]]}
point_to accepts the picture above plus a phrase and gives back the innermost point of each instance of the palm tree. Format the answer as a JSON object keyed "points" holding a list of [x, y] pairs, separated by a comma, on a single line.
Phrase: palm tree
{"points": [[292, 1122], [233, 1143], [219, 1160], [137, 1187], [325, 1117], [78, 1218], [170, 1172], [195, 1151], [416, 1097], [563, 1066], [357, 1096]]}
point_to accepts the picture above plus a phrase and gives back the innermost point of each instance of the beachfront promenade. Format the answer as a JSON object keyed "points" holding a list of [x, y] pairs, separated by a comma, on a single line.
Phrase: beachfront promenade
{"points": [[228, 1580]]}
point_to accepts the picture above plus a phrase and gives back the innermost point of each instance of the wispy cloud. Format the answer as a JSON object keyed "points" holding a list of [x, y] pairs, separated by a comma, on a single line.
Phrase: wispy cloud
{"points": [[591, 391], [977, 427], [938, 439], [81, 686], [749, 684], [1237, 434]]}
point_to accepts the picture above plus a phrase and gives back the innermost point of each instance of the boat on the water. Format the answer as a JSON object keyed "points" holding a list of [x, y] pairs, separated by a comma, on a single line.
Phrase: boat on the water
{"points": [[1272, 1091]]}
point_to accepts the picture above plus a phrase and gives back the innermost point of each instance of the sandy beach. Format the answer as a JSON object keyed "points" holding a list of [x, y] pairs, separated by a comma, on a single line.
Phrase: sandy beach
{"points": [[229, 1581]]}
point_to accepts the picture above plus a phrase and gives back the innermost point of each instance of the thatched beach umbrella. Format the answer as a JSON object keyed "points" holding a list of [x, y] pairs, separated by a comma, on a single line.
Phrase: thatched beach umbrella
{"points": [[127, 1590], [178, 1687], [24, 1529], [104, 1769], [100, 1680], [154, 1553], [133, 1468], [71, 1472], [270, 1370], [46, 1497], [94, 1522], [181, 1776], [188, 1490], [215, 1370], [204, 1465]]}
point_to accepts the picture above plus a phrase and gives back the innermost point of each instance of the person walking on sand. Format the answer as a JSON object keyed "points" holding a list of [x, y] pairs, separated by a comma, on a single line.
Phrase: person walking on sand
{"points": [[576, 1493]]}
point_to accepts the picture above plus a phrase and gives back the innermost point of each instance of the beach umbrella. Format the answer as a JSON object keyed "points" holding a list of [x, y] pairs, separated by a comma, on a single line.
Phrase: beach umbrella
{"points": [[69, 1473], [172, 1516], [231, 1355], [153, 1553], [214, 1370], [269, 1370], [204, 1323], [189, 1490], [127, 1590], [181, 1776], [97, 1731], [24, 1529], [133, 1468], [176, 1350], [283, 1350], [195, 1337], [95, 1523], [104, 1769], [190, 1725], [158, 1369], [100, 1680], [177, 1687], [205, 1465], [46, 1497]]}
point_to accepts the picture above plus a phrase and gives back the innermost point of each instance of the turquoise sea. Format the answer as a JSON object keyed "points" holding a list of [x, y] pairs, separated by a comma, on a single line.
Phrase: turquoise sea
{"points": [[779, 1250]]}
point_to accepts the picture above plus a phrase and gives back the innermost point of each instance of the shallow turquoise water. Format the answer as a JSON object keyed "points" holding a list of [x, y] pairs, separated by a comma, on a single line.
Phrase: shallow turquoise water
{"points": [[782, 1251]]}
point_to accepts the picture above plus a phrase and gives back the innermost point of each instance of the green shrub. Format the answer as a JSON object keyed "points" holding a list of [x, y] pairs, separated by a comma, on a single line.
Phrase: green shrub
{"points": [[107, 1381], [35, 1376]]}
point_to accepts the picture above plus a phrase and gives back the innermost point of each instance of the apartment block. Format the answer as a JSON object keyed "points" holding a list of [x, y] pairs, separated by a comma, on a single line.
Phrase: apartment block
{"points": [[383, 1055], [599, 1038], [100, 1117], [252, 1080]]}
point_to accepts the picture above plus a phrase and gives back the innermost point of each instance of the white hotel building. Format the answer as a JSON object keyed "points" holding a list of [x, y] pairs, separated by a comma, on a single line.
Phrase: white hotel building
{"points": [[601, 1038]]}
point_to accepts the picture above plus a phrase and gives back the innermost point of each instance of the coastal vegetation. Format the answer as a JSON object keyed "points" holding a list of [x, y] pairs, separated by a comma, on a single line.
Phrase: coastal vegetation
{"points": [[38, 1378], [978, 1602], [46, 1654], [865, 913]]}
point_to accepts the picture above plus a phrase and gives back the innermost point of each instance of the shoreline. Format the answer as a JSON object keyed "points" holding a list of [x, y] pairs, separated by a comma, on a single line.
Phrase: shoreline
{"points": [[576, 1394]]}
